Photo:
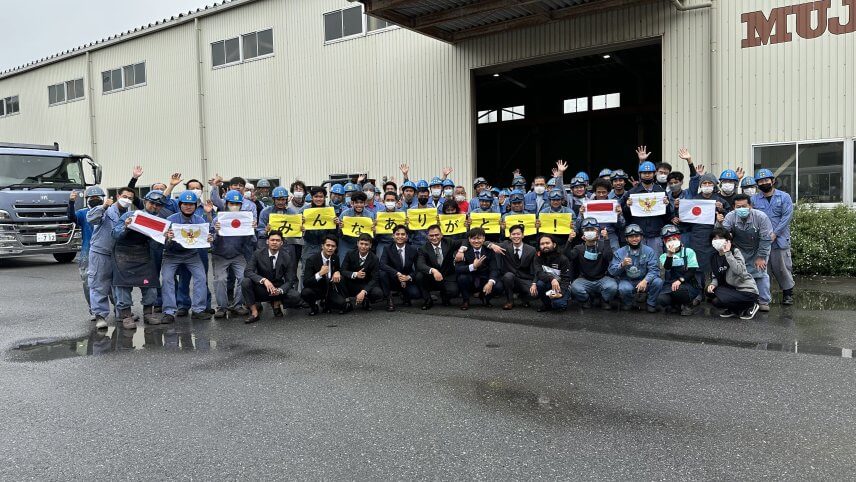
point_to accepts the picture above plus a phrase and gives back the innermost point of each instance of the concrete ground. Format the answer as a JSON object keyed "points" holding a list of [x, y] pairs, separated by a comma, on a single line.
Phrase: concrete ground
{"points": [[443, 394]]}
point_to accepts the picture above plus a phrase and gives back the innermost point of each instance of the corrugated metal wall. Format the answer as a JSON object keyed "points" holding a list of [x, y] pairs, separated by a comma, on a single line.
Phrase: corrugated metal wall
{"points": [[372, 102]]}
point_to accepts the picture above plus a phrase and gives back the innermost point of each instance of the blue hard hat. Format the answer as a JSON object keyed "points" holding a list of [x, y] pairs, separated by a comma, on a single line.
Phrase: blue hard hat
{"points": [[618, 174], [494, 191], [552, 182], [188, 197], [518, 181], [279, 192], [748, 181], [408, 184], [479, 180], [728, 175], [156, 197], [517, 196], [647, 166], [633, 229], [263, 183], [350, 187], [307, 198], [448, 183], [556, 195], [485, 196], [337, 189], [94, 191], [436, 181], [578, 181], [234, 197], [422, 185], [669, 230], [589, 223], [583, 175], [764, 174], [505, 192], [605, 172]]}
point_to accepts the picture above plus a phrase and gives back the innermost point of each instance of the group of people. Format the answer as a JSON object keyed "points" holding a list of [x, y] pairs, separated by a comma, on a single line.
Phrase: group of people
{"points": [[653, 263]]}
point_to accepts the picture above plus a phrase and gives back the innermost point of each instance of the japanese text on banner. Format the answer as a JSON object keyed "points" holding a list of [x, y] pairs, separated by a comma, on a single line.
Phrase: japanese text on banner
{"points": [[354, 226], [487, 221], [453, 224], [527, 220], [315, 219], [421, 219], [386, 222], [288, 224]]}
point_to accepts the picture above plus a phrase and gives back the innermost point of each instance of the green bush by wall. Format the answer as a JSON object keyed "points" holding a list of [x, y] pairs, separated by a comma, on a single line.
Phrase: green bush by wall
{"points": [[823, 241]]}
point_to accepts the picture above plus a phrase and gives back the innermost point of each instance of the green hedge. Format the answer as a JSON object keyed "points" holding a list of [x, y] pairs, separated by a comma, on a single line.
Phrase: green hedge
{"points": [[824, 241]]}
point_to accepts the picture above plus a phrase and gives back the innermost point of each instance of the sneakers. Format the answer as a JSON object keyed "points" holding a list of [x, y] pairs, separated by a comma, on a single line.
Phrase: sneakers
{"points": [[787, 300], [763, 307], [181, 312], [100, 323], [727, 314], [240, 311], [750, 313], [200, 316], [220, 313]]}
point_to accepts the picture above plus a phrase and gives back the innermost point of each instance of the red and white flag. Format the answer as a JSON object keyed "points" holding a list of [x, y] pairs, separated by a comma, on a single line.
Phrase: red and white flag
{"points": [[697, 211], [150, 225], [235, 224], [603, 211]]}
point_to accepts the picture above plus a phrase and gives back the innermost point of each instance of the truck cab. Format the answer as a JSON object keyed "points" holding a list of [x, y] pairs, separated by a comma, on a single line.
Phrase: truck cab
{"points": [[36, 182]]}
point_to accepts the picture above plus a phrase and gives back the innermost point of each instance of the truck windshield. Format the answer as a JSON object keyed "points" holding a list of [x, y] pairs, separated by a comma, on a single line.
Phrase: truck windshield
{"points": [[39, 171]]}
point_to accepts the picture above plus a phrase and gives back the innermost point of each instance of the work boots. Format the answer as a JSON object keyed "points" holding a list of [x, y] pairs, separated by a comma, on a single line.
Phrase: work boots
{"points": [[149, 316], [128, 322]]}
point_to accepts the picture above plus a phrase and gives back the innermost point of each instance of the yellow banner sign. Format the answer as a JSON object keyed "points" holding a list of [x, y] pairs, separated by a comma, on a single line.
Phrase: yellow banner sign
{"points": [[527, 220], [421, 219], [386, 222], [315, 219], [555, 223], [355, 226], [289, 224], [487, 221], [453, 223]]}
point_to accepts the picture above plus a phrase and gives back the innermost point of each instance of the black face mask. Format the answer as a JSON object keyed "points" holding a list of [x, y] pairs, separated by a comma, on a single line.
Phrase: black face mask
{"points": [[422, 199], [94, 203], [765, 188], [647, 181]]}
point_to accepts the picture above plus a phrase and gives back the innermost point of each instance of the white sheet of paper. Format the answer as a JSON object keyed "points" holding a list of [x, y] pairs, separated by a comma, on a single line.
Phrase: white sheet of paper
{"points": [[648, 204], [191, 236], [236, 224]]}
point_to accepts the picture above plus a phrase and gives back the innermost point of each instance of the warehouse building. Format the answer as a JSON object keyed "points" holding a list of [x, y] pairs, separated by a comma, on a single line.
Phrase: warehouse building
{"points": [[308, 88]]}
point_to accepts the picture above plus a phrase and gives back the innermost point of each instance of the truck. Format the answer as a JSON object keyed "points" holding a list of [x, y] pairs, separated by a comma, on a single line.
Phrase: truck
{"points": [[36, 182]]}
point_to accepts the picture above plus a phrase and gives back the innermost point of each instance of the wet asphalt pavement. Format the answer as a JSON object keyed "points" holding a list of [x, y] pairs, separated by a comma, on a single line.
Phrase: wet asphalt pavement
{"points": [[485, 394]]}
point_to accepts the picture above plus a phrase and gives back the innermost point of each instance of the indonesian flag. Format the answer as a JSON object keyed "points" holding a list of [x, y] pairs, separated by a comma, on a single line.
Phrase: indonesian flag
{"points": [[150, 225], [697, 211], [603, 211], [235, 223]]}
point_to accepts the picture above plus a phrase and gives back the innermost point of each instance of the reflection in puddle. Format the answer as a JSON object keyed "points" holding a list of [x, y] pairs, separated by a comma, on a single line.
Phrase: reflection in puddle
{"points": [[115, 339], [813, 300]]}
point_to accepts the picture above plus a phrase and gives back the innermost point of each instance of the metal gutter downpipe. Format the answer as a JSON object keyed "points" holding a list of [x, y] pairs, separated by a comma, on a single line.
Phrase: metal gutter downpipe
{"points": [[683, 8], [200, 98]]}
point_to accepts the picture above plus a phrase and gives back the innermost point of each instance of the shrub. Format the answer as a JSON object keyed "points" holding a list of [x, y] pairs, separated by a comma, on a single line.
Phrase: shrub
{"points": [[823, 241]]}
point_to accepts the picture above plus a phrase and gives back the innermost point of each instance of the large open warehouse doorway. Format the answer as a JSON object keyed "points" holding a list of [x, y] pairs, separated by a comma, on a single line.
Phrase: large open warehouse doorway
{"points": [[592, 111]]}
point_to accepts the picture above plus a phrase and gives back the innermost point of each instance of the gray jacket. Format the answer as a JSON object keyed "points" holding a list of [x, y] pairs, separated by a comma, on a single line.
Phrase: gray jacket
{"points": [[752, 235], [738, 276]]}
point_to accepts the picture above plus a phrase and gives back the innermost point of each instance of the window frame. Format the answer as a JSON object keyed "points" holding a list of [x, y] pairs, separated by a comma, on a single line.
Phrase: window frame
{"points": [[365, 32], [65, 89], [125, 85], [5, 111], [847, 177], [241, 59]]}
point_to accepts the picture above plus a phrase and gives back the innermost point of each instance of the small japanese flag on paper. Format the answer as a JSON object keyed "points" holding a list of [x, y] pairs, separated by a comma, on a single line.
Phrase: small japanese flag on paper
{"points": [[235, 224], [603, 211], [697, 211], [150, 225]]}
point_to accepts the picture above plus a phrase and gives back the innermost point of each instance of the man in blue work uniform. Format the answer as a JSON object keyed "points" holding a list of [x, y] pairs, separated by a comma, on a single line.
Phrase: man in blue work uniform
{"points": [[779, 207], [651, 225], [637, 270], [93, 197]]}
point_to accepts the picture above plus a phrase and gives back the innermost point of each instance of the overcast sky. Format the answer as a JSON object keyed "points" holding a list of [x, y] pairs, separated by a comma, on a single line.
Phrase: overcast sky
{"points": [[33, 29]]}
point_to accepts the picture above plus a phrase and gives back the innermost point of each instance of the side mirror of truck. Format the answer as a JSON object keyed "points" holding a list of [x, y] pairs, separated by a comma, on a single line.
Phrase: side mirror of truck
{"points": [[96, 169]]}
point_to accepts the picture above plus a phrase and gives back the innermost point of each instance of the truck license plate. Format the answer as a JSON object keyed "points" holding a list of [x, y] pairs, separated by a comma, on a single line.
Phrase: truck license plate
{"points": [[45, 237]]}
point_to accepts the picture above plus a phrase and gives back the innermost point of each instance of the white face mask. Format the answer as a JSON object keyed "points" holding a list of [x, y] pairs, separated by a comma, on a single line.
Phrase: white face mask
{"points": [[673, 245], [718, 244], [124, 202], [233, 208], [728, 187], [369, 195], [389, 205], [539, 190], [198, 193], [707, 189], [298, 194], [662, 178], [460, 198], [750, 191], [436, 192], [448, 192], [590, 235]]}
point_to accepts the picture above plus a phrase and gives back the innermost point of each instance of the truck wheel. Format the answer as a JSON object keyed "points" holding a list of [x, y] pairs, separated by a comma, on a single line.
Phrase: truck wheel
{"points": [[64, 257]]}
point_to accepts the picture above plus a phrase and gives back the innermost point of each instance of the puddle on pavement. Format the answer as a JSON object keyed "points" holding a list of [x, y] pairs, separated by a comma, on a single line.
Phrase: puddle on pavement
{"points": [[114, 339], [815, 300]]}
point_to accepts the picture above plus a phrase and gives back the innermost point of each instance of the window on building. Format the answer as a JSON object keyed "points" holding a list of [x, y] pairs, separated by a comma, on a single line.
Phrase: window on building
{"points": [[572, 106], [343, 23], [124, 78], [240, 49], [606, 101], [65, 92], [487, 117], [514, 113], [9, 106], [812, 172]]}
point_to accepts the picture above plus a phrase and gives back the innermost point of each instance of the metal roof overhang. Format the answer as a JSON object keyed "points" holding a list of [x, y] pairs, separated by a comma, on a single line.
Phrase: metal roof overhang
{"points": [[457, 20]]}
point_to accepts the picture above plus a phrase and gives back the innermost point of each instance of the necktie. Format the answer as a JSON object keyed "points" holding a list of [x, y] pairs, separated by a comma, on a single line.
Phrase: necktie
{"points": [[401, 254], [327, 263], [439, 255], [517, 253], [477, 253], [273, 262]]}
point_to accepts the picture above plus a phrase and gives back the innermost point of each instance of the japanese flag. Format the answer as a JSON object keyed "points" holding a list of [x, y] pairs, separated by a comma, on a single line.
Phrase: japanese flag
{"points": [[152, 226], [697, 211], [235, 224]]}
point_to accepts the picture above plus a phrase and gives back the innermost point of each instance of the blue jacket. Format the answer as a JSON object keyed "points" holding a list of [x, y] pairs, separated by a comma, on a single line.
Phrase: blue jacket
{"points": [[530, 202], [651, 225], [645, 264], [102, 221], [246, 205], [79, 218], [780, 209], [175, 250]]}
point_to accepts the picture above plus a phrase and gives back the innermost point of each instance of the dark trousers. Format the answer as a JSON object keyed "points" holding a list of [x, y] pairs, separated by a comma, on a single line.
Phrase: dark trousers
{"points": [[410, 290], [513, 283], [353, 287], [448, 288], [728, 298], [470, 284], [684, 295], [325, 291], [257, 293]]}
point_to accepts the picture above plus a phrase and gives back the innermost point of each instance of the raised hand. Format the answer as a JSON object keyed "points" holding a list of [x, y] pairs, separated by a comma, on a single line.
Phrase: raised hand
{"points": [[516, 172], [642, 153], [208, 206], [73, 196], [562, 166], [684, 154], [447, 171], [108, 202], [405, 170], [137, 172], [700, 169], [740, 173], [175, 179]]}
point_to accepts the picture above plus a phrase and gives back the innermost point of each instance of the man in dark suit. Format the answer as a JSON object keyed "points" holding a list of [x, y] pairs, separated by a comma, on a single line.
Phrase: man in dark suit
{"points": [[271, 275], [322, 279], [516, 269], [361, 273], [436, 265], [398, 269], [478, 270]]}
